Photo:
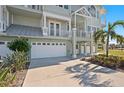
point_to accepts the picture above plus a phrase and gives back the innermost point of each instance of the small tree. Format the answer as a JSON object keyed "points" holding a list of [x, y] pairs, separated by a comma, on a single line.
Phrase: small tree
{"points": [[20, 44]]}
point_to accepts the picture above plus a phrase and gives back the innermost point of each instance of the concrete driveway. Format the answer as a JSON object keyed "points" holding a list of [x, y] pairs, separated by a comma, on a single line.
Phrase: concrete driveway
{"points": [[65, 72]]}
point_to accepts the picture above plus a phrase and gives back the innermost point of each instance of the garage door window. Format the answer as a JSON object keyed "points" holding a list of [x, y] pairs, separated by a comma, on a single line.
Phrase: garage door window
{"points": [[33, 43], [53, 44], [44, 44], [2, 43], [38, 43], [48, 43]]}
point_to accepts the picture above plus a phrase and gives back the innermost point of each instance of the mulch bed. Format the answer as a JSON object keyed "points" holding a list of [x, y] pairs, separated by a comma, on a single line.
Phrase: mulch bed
{"points": [[121, 69], [20, 77]]}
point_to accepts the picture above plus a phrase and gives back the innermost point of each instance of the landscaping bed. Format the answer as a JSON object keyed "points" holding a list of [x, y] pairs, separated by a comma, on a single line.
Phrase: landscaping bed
{"points": [[20, 77], [113, 62]]}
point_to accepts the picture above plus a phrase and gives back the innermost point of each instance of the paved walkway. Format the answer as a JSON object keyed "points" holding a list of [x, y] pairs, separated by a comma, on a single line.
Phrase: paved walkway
{"points": [[64, 72]]}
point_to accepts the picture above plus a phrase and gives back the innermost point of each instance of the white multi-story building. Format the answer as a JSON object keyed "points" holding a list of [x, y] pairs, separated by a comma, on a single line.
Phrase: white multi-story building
{"points": [[52, 30]]}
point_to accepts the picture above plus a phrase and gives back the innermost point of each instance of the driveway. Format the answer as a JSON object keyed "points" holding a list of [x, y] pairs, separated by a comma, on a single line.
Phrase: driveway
{"points": [[67, 72]]}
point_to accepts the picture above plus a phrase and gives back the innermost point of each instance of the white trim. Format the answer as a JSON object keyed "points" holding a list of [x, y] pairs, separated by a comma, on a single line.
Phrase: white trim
{"points": [[80, 9], [57, 16], [55, 22]]}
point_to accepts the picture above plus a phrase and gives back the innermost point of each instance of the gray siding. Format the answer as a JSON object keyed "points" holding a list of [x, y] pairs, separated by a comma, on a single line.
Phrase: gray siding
{"points": [[57, 10]]}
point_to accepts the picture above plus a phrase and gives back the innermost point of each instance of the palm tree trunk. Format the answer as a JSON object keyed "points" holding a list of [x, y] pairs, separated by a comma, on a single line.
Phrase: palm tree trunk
{"points": [[107, 46]]}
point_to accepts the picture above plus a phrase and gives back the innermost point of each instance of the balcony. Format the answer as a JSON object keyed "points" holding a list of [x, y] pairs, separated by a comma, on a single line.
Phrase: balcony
{"points": [[83, 36], [60, 35], [25, 10]]}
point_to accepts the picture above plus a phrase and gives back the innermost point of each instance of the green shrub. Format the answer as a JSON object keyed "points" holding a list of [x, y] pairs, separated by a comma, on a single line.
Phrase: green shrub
{"points": [[20, 44]]}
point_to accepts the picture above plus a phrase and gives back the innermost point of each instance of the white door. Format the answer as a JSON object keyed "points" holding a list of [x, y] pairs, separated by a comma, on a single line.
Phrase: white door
{"points": [[4, 50], [88, 49], [82, 49], [48, 49]]}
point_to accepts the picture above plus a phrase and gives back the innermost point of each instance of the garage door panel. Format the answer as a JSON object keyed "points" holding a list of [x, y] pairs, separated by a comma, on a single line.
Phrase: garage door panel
{"points": [[42, 51]]}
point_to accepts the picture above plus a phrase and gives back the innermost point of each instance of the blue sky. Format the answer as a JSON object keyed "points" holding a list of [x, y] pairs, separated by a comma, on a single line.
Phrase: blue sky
{"points": [[114, 13]]}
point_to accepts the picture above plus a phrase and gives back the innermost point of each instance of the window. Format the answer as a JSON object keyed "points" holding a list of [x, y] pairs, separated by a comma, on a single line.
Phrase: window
{"points": [[56, 43], [2, 43], [93, 28], [66, 6], [48, 43], [33, 43], [8, 43], [33, 6], [57, 29], [89, 28], [60, 43], [53, 44], [38, 43], [38, 7], [44, 44], [64, 44], [52, 29], [60, 5]]}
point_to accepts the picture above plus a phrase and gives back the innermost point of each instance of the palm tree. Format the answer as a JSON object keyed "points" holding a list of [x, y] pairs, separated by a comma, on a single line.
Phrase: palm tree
{"points": [[104, 35], [120, 39]]}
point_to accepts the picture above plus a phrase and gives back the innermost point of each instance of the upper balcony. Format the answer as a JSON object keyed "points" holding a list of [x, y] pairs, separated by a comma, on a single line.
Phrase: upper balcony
{"points": [[31, 10], [83, 35]]}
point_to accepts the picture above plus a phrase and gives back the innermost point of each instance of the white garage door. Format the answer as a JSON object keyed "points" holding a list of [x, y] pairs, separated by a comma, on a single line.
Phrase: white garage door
{"points": [[88, 49], [43, 50], [82, 49], [4, 50]]}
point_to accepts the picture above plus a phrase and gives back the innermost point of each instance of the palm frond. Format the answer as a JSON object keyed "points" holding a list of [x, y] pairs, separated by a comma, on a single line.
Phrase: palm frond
{"points": [[100, 36], [117, 23]]}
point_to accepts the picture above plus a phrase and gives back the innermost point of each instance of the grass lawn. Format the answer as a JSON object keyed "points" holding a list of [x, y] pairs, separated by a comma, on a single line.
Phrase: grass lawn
{"points": [[114, 52]]}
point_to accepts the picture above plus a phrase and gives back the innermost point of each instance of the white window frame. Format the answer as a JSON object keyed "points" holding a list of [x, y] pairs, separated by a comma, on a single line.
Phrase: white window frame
{"points": [[55, 22]]}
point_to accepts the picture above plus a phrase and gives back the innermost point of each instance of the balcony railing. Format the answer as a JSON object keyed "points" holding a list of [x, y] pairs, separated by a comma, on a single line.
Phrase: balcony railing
{"points": [[61, 33], [84, 34]]}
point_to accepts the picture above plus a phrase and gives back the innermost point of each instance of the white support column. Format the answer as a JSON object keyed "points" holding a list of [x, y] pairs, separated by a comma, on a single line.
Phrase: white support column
{"points": [[7, 18], [45, 32], [74, 43]]}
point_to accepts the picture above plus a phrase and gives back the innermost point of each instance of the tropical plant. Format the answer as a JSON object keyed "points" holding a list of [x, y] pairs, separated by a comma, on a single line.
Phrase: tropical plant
{"points": [[17, 60], [20, 44], [120, 40], [6, 76], [104, 35]]}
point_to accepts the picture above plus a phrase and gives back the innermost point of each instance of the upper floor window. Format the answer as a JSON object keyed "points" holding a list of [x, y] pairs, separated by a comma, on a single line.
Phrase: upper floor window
{"points": [[63, 6], [33, 7], [66, 6], [92, 10]]}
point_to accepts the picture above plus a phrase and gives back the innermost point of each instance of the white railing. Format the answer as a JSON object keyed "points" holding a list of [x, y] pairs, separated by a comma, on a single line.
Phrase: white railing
{"points": [[62, 34], [84, 34]]}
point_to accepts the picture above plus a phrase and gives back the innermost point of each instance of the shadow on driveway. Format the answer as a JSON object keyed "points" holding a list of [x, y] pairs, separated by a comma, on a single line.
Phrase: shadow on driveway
{"points": [[88, 76]]}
